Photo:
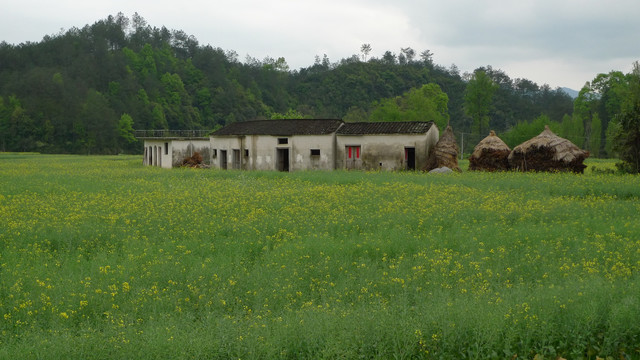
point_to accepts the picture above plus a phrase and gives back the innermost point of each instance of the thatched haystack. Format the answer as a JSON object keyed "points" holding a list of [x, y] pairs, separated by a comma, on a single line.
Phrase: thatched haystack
{"points": [[548, 152], [445, 153], [491, 154]]}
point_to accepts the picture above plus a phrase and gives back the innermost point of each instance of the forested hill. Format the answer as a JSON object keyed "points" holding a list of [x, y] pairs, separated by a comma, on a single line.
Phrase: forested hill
{"points": [[84, 90]]}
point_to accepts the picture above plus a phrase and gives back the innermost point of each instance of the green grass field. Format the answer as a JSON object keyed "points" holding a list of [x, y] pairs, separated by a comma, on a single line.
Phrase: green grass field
{"points": [[103, 258]]}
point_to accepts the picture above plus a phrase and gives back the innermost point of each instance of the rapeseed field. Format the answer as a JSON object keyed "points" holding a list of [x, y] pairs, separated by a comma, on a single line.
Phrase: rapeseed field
{"points": [[101, 257]]}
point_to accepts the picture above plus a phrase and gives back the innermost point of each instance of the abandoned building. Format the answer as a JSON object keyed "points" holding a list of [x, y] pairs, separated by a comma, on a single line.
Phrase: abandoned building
{"points": [[168, 148], [300, 144]]}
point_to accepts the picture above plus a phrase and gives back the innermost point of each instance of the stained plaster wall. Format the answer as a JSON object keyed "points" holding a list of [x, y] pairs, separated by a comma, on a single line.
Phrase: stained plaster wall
{"points": [[262, 151], [386, 152], [168, 153], [182, 149]]}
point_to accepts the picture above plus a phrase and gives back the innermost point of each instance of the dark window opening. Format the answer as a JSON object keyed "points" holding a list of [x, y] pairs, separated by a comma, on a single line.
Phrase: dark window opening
{"points": [[246, 152], [315, 152], [215, 152], [166, 148], [283, 141]]}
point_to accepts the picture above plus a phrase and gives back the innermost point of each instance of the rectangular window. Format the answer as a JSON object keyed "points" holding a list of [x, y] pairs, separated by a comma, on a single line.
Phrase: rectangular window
{"points": [[246, 152], [283, 141], [214, 153], [315, 152], [166, 148]]}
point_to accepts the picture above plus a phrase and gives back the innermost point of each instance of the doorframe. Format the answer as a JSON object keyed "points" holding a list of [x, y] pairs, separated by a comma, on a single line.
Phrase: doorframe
{"points": [[410, 154], [283, 159], [223, 159], [356, 160]]}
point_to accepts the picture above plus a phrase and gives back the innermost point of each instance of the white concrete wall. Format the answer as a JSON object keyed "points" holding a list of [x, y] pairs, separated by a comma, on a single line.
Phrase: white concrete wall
{"points": [[168, 153], [157, 153], [301, 146], [220, 145], [263, 151], [386, 152], [259, 152], [182, 149]]}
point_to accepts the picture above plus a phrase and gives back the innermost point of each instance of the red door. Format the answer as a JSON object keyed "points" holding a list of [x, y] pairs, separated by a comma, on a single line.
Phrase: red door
{"points": [[352, 154]]}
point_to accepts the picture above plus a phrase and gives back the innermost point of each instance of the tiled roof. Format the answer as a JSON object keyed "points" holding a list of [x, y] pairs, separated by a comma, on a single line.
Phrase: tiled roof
{"points": [[281, 127], [381, 128]]}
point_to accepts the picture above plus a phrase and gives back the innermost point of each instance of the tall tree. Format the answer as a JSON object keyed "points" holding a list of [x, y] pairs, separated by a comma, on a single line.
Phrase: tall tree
{"points": [[125, 130], [595, 138], [628, 135], [478, 97], [365, 49]]}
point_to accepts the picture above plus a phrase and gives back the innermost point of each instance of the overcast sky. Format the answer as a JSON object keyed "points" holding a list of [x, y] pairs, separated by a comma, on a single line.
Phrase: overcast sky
{"points": [[555, 42]]}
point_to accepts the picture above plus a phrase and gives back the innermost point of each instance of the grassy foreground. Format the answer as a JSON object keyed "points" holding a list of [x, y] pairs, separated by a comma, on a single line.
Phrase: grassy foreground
{"points": [[103, 258]]}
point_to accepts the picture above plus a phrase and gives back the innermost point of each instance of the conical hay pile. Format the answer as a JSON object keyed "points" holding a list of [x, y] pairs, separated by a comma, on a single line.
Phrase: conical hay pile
{"points": [[548, 152], [445, 153], [491, 154]]}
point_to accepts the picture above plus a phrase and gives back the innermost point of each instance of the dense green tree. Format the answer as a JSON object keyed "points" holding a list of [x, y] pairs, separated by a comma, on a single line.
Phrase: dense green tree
{"points": [[611, 91], [290, 114], [99, 130], [572, 129], [478, 98], [125, 130], [610, 135], [67, 93], [627, 138], [427, 103], [4, 124], [525, 130], [595, 138], [19, 131]]}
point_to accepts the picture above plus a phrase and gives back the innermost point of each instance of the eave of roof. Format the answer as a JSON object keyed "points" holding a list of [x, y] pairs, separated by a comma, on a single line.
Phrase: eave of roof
{"points": [[385, 128], [286, 127]]}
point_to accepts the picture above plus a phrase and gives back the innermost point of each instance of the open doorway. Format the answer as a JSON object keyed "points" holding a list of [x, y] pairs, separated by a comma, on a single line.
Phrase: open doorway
{"points": [[236, 158], [410, 157], [223, 159], [282, 159]]}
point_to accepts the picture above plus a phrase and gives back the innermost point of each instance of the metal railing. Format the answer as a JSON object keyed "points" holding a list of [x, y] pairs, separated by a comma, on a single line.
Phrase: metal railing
{"points": [[159, 134]]}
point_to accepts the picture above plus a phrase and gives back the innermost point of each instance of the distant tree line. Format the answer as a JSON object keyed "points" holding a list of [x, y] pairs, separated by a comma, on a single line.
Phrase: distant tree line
{"points": [[85, 90]]}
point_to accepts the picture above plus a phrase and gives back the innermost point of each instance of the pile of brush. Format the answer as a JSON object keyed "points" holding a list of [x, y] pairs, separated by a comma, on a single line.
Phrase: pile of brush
{"points": [[445, 153], [548, 152], [194, 161], [491, 154]]}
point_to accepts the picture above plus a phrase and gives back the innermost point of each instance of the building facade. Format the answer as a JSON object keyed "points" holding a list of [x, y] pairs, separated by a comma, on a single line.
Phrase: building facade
{"points": [[303, 144], [168, 149], [284, 145], [385, 145]]}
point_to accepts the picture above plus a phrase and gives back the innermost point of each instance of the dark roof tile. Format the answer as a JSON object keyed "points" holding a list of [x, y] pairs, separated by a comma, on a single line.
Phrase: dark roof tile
{"points": [[281, 127], [381, 128]]}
